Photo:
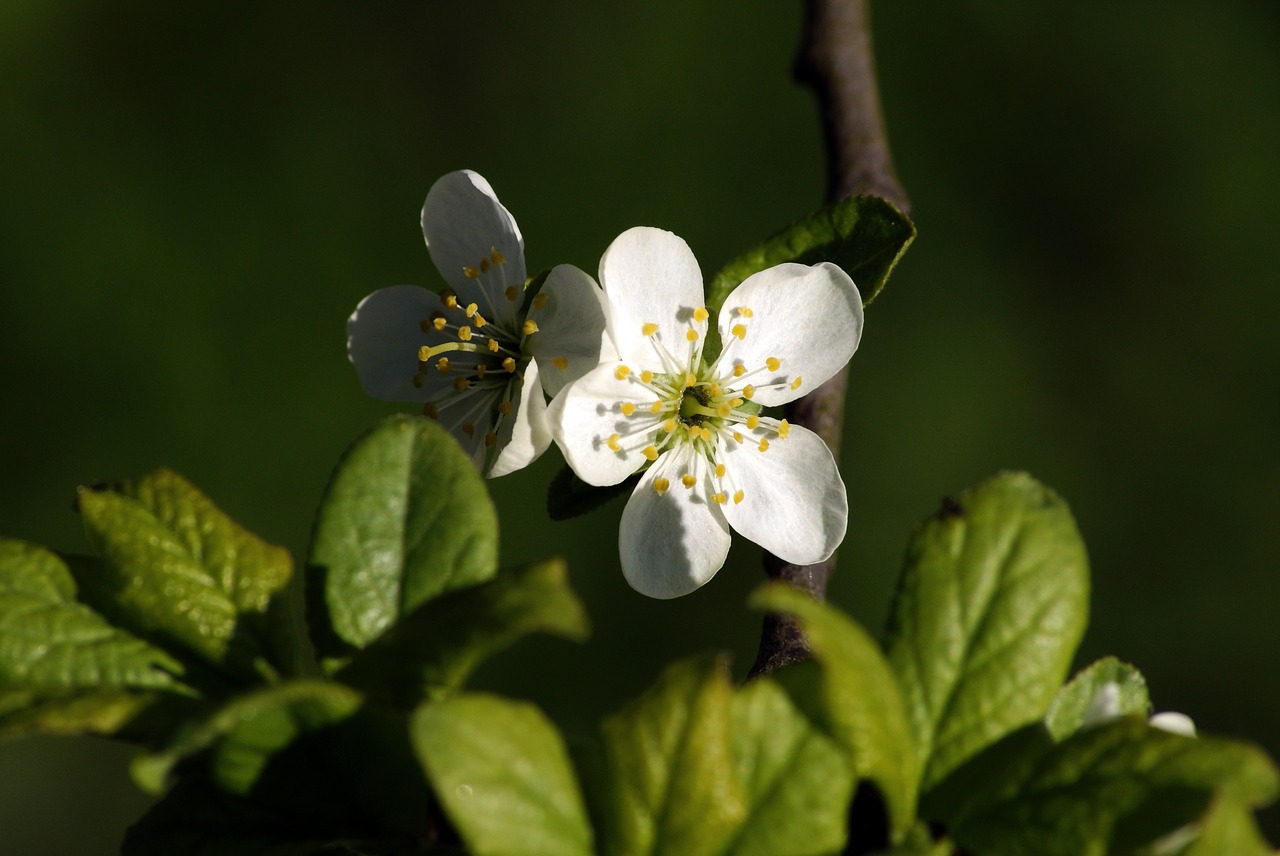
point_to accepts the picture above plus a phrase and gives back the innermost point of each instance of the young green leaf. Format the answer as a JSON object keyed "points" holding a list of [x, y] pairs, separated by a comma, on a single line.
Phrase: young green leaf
{"points": [[431, 652], [853, 696], [991, 605], [179, 570], [1108, 682], [245, 733], [404, 519], [798, 782], [105, 712], [1228, 827], [670, 785], [865, 235], [1107, 789], [53, 643], [569, 496], [502, 773]]}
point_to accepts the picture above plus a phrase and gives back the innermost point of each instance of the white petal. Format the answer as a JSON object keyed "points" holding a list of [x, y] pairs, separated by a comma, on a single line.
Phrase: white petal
{"points": [[383, 338], [652, 277], [571, 338], [671, 543], [588, 412], [1174, 723], [463, 223], [525, 435], [809, 317], [794, 502]]}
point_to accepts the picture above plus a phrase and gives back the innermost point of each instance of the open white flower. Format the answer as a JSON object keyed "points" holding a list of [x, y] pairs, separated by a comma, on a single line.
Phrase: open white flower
{"points": [[712, 461], [477, 355]]}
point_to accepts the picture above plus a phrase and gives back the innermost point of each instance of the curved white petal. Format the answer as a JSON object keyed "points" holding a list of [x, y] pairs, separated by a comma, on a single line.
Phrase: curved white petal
{"points": [[588, 412], [672, 543], [383, 338], [807, 317], [793, 500], [1174, 723], [651, 277], [570, 312], [464, 223], [473, 408], [525, 435]]}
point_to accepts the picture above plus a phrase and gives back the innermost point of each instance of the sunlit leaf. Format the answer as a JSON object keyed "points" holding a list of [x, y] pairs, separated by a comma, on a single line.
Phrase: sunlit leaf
{"points": [[1123, 684]]}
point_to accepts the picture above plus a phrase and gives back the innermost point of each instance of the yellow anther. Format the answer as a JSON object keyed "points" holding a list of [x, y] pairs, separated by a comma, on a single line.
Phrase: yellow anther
{"points": [[669, 425], [429, 410], [496, 257], [773, 363], [651, 452], [481, 368], [509, 364], [753, 421], [449, 299], [700, 314], [530, 327], [739, 330], [689, 380], [627, 408], [646, 376], [737, 497], [621, 372], [719, 471], [649, 329], [561, 363], [424, 354], [505, 408], [479, 320], [470, 272], [469, 429], [661, 485], [714, 389], [442, 365], [688, 479], [745, 311], [485, 264], [736, 402], [784, 428], [612, 442], [438, 322], [461, 383], [719, 498], [511, 293], [691, 334], [472, 309], [795, 384], [723, 409], [739, 369], [656, 407], [491, 439], [738, 437], [748, 392], [464, 333], [493, 345], [764, 445], [540, 300]]}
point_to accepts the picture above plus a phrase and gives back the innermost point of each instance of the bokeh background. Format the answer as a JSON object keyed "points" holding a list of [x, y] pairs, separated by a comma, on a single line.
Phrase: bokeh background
{"points": [[194, 196]]}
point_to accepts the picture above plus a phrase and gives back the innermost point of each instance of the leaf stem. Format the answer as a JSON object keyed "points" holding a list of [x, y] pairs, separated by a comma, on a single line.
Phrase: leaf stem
{"points": [[835, 60]]}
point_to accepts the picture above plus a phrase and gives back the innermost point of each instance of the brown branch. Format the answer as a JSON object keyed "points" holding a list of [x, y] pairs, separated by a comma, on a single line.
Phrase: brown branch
{"points": [[835, 60]]}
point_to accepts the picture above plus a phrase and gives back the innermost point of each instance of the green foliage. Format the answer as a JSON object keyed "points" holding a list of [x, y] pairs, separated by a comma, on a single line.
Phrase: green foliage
{"points": [[992, 603], [865, 235], [404, 519], [1067, 712]]}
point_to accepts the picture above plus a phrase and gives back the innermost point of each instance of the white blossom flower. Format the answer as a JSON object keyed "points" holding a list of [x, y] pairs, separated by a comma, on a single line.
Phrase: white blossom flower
{"points": [[710, 461], [478, 355]]}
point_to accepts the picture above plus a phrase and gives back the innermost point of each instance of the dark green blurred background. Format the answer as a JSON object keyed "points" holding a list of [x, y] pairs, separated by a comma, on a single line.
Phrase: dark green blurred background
{"points": [[196, 195]]}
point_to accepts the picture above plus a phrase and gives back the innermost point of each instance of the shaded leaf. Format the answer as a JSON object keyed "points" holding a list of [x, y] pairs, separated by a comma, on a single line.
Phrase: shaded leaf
{"points": [[502, 773], [992, 603], [569, 496], [432, 651], [1108, 682], [404, 519], [69, 712], [180, 571], [1228, 827], [853, 695]]}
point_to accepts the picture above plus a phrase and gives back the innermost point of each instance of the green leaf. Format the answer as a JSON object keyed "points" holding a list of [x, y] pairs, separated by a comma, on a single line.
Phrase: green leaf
{"points": [[105, 712], [503, 776], [51, 642], [179, 570], [798, 783], [247, 732], [1121, 686], [854, 697], [670, 786], [569, 496], [1107, 789], [1228, 827], [992, 603], [865, 235], [404, 519], [431, 652]]}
